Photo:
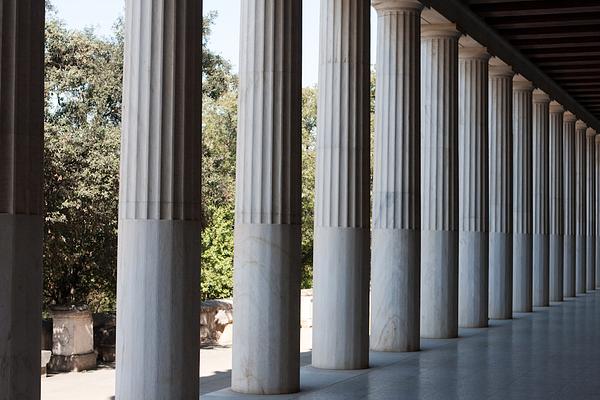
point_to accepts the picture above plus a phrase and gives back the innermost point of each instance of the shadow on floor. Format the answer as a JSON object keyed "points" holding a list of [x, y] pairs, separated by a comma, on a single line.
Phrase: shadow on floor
{"points": [[222, 380]]}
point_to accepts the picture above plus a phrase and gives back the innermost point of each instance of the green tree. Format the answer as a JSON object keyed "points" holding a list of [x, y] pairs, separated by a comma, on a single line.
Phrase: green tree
{"points": [[81, 164], [219, 129], [309, 156], [83, 116]]}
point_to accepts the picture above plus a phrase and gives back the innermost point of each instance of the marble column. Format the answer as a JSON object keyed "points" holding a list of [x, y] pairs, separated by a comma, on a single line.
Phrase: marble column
{"points": [[590, 235], [439, 181], [342, 240], [522, 195], [580, 201], [473, 193], [597, 209], [570, 206], [556, 208], [540, 153], [21, 205], [395, 265], [267, 244], [158, 302], [501, 189]]}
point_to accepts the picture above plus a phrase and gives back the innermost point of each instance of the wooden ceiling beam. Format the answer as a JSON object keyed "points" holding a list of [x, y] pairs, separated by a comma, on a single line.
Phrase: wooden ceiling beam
{"points": [[581, 43], [534, 8], [573, 86], [565, 78], [570, 71], [544, 21], [576, 93], [564, 33], [563, 52], [568, 62]]}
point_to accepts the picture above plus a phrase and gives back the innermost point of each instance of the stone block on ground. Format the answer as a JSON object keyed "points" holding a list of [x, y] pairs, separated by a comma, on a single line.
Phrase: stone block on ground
{"points": [[216, 320], [46, 355]]}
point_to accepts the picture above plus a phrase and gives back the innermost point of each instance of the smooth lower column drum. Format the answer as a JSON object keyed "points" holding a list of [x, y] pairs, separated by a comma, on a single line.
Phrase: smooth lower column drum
{"points": [[158, 299], [501, 189], [439, 181], [570, 206], [267, 243], [556, 208], [473, 166], [580, 200], [590, 242], [21, 202], [597, 209], [522, 195], [540, 153], [395, 264], [342, 240]]}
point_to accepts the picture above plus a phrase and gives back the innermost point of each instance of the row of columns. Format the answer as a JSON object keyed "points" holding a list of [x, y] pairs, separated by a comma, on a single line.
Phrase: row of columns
{"points": [[478, 186]]}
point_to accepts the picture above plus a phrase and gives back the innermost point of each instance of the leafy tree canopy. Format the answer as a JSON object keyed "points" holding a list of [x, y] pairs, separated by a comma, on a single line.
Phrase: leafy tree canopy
{"points": [[83, 103]]}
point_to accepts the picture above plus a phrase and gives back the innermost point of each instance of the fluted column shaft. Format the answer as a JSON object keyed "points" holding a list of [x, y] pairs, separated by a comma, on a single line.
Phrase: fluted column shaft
{"points": [[21, 214], [159, 222], [522, 195], [597, 209], [267, 247], [473, 249], [341, 251], [439, 181], [540, 153], [500, 189], [580, 188], [556, 208], [570, 206], [395, 310], [590, 235]]}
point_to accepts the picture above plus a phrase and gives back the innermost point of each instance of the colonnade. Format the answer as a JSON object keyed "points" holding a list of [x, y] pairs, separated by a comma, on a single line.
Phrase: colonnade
{"points": [[483, 193]]}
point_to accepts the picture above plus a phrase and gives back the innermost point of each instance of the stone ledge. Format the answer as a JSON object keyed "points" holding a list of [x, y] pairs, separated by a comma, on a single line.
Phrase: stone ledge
{"points": [[73, 363], [46, 355], [216, 320]]}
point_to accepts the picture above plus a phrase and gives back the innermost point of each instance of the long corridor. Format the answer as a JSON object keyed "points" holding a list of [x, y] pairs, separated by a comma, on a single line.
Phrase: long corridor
{"points": [[552, 353]]}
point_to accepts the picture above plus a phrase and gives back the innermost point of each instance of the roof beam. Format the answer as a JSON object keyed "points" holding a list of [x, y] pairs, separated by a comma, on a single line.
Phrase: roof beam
{"points": [[563, 52], [569, 63], [543, 21], [587, 70], [574, 85], [521, 8], [560, 32]]}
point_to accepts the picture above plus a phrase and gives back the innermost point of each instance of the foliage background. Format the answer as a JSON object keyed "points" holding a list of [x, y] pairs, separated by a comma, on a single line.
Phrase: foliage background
{"points": [[83, 116]]}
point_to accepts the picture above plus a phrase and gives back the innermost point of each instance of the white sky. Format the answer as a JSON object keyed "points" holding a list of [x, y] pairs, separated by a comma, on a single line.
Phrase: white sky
{"points": [[225, 38]]}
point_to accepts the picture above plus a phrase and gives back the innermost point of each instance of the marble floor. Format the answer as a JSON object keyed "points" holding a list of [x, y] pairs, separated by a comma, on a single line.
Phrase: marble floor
{"points": [[552, 353]]}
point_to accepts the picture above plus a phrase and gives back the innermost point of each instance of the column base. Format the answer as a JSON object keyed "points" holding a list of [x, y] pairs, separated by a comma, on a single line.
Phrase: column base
{"points": [[522, 272], [266, 296], [597, 252], [439, 284], [556, 260], [590, 262], [20, 305], [395, 288], [580, 265], [473, 279], [341, 298], [541, 270], [501, 275], [569, 266], [158, 310]]}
